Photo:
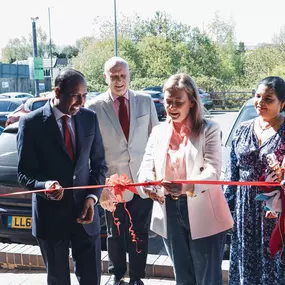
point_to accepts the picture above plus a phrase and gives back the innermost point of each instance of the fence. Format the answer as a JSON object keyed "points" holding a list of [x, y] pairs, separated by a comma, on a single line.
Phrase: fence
{"points": [[16, 78], [230, 100]]}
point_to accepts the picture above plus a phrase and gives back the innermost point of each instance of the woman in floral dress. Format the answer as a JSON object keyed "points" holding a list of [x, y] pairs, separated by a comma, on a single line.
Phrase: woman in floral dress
{"points": [[250, 261]]}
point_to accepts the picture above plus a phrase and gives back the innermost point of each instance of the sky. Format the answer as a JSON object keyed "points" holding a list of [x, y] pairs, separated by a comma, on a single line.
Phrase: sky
{"points": [[70, 20]]}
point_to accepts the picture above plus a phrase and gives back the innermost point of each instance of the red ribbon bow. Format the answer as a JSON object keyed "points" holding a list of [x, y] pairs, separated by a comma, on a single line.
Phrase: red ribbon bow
{"points": [[120, 184]]}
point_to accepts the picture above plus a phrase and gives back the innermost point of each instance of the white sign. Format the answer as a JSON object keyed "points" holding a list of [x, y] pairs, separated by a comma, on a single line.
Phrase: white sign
{"points": [[5, 84], [31, 67], [42, 87]]}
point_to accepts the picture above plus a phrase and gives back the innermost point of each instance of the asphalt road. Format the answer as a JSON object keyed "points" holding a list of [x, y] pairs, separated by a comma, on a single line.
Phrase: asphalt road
{"points": [[224, 119]]}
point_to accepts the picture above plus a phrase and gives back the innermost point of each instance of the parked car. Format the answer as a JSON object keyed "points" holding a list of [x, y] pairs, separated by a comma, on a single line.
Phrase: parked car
{"points": [[35, 103], [157, 98], [16, 211], [247, 112], [92, 94], [6, 107], [154, 88], [21, 95], [204, 96], [206, 99], [30, 105]]}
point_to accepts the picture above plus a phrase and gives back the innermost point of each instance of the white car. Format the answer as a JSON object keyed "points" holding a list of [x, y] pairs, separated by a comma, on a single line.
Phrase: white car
{"points": [[21, 95]]}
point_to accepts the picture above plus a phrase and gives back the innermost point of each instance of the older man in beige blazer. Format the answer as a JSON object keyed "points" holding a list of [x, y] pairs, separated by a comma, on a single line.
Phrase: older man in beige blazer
{"points": [[126, 119]]}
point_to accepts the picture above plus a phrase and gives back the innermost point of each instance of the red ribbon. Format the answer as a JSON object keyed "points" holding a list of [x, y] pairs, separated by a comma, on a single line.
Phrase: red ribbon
{"points": [[122, 183], [152, 183]]}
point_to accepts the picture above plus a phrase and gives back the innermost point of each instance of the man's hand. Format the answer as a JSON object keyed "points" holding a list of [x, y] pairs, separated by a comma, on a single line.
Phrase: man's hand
{"points": [[58, 192], [108, 199], [88, 212], [172, 188]]}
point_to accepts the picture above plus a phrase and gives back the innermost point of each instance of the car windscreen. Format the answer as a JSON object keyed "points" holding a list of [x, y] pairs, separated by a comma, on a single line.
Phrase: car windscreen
{"points": [[36, 105], [156, 96], [13, 106], [248, 112], [8, 158], [4, 106]]}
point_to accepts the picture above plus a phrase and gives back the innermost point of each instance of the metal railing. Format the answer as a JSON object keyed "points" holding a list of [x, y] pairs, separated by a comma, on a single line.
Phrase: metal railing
{"points": [[230, 100]]}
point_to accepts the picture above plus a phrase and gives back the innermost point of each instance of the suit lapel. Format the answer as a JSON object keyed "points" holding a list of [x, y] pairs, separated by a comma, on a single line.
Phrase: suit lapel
{"points": [[191, 153], [79, 134], [163, 148], [133, 113], [52, 127], [110, 112]]}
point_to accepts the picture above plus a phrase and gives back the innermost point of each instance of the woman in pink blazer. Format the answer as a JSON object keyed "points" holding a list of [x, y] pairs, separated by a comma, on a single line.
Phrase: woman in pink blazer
{"points": [[192, 219]]}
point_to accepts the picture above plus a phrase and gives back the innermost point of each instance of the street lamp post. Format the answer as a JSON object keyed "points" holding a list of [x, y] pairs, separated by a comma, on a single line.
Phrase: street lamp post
{"points": [[50, 47], [115, 28], [34, 33]]}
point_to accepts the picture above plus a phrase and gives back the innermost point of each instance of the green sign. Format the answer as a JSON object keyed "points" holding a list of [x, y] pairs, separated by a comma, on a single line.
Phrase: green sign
{"points": [[38, 68]]}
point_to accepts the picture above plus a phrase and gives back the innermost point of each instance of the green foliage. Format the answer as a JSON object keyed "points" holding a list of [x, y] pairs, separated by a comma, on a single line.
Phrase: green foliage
{"points": [[140, 83], [90, 61], [22, 48], [261, 62], [67, 52], [159, 47]]}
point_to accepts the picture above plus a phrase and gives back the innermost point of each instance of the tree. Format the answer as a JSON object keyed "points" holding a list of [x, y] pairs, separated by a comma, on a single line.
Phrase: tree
{"points": [[162, 25], [22, 48], [90, 61], [84, 42], [279, 41], [204, 54], [261, 62], [221, 31], [136, 29], [158, 57], [66, 52]]}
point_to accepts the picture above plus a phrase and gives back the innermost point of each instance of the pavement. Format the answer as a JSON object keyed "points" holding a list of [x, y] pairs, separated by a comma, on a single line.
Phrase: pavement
{"points": [[27, 277], [24, 277], [23, 265]]}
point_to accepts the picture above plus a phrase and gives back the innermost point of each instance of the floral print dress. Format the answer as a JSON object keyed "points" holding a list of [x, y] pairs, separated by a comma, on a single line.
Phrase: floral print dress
{"points": [[250, 261]]}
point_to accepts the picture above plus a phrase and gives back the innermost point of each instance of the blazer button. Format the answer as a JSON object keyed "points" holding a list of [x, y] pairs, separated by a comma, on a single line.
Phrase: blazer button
{"points": [[74, 177], [201, 169]]}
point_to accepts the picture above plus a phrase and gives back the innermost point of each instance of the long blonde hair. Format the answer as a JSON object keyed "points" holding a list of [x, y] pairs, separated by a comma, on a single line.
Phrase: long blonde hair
{"points": [[183, 81]]}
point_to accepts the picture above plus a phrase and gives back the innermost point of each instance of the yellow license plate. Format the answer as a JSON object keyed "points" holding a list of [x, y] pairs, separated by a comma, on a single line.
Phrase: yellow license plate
{"points": [[19, 222]]}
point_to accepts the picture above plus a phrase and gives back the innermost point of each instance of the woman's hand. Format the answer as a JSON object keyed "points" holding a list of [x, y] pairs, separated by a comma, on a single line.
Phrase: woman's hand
{"points": [[151, 192], [174, 189], [154, 196]]}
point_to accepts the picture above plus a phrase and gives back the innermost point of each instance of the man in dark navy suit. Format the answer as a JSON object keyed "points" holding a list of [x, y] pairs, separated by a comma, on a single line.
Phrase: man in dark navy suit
{"points": [[60, 146]]}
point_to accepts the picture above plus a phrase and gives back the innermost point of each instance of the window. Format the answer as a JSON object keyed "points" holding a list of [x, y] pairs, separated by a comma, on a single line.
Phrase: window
{"points": [[248, 112], [13, 106], [47, 72], [4, 106], [38, 104], [8, 159]]}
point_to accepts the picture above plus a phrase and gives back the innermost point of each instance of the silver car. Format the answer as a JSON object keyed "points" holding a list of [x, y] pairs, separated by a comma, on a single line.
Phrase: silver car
{"points": [[247, 112]]}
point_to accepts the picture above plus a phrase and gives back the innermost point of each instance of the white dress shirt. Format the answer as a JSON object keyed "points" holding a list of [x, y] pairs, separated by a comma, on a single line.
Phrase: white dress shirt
{"points": [[71, 126]]}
